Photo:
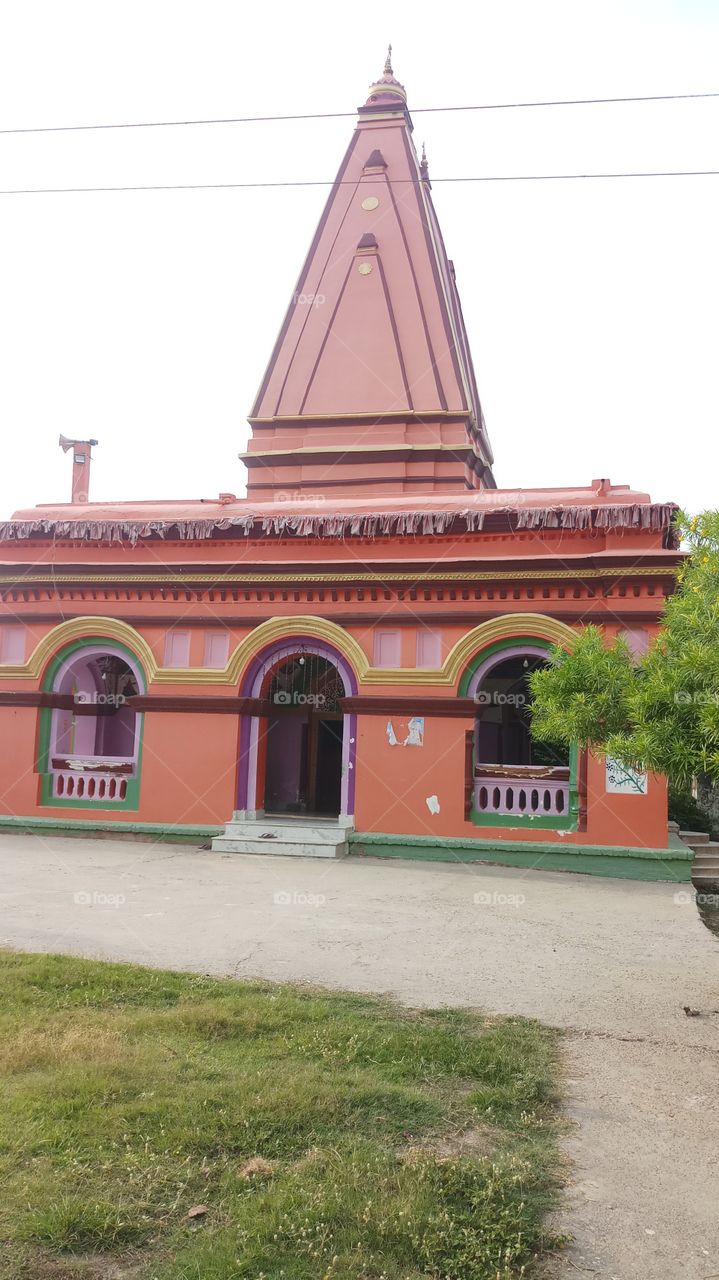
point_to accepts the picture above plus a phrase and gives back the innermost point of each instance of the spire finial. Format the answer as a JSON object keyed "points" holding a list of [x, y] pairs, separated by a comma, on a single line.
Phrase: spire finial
{"points": [[387, 87], [424, 154]]}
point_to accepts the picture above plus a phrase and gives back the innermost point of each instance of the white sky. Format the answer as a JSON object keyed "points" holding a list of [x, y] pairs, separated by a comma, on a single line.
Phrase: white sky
{"points": [[146, 319]]}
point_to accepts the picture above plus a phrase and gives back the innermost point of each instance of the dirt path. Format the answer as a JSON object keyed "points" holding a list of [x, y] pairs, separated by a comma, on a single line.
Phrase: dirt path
{"points": [[613, 962]]}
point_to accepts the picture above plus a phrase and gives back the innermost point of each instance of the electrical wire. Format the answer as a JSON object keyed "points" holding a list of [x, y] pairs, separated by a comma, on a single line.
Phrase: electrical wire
{"points": [[343, 115], [237, 186]]}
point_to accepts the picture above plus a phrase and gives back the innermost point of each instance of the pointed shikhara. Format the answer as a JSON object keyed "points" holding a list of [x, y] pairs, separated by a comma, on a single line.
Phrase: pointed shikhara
{"points": [[370, 385], [167, 664]]}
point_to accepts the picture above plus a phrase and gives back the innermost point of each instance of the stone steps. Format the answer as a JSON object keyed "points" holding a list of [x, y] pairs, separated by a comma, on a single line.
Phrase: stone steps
{"points": [[705, 865], [284, 837]]}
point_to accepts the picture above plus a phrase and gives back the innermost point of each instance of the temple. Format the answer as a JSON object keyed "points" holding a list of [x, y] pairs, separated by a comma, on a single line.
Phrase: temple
{"points": [[338, 661]]}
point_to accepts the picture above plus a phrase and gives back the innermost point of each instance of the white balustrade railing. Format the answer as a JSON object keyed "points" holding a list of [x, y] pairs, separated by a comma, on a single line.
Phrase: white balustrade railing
{"points": [[522, 792], [94, 781]]}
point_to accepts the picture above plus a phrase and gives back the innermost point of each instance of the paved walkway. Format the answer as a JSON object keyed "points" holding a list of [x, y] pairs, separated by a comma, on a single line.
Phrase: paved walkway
{"points": [[611, 961]]}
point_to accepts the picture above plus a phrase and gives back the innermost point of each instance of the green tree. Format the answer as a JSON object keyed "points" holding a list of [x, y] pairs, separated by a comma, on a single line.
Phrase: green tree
{"points": [[661, 711]]}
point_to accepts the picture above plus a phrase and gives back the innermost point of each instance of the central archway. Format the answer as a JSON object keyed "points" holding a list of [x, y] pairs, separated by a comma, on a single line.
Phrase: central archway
{"points": [[298, 757], [303, 737]]}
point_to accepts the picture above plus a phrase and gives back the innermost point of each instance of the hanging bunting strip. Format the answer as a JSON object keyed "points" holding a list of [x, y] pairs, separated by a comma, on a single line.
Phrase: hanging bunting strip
{"points": [[647, 516]]}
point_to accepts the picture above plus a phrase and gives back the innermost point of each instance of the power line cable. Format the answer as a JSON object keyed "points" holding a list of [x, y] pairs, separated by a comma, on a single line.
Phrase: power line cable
{"points": [[343, 115], [236, 186]]}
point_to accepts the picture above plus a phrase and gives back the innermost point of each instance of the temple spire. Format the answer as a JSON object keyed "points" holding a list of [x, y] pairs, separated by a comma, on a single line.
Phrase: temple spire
{"points": [[370, 388]]}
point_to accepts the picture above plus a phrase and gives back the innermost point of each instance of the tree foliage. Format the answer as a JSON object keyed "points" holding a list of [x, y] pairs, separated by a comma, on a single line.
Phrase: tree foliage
{"points": [[659, 711]]}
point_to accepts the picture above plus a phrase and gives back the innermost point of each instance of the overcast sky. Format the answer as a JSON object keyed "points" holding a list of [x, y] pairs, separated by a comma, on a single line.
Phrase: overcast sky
{"points": [[146, 319]]}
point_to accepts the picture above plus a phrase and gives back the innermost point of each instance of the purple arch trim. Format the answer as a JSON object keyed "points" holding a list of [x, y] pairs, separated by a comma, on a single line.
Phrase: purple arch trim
{"points": [[251, 687], [96, 650]]}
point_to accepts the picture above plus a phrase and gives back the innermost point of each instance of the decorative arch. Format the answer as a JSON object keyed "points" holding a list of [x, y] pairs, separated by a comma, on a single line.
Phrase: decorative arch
{"points": [[509, 629], [294, 631], [497, 653], [98, 629]]}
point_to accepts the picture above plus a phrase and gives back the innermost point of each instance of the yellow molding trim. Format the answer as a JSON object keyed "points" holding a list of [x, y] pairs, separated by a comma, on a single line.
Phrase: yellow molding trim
{"points": [[509, 625], [79, 629], [372, 417], [536, 625], [218, 579], [447, 676], [275, 629]]}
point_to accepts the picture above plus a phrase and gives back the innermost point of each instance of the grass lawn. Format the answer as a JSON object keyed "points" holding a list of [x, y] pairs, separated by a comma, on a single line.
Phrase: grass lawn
{"points": [[324, 1137]]}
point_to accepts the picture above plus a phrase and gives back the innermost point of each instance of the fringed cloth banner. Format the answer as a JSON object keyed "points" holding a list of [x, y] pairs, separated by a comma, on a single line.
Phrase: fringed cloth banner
{"points": [[652, 516]]}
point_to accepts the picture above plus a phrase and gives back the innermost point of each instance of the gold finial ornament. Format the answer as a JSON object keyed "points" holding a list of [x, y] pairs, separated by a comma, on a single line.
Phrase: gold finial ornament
{"points": [[388, 62]]}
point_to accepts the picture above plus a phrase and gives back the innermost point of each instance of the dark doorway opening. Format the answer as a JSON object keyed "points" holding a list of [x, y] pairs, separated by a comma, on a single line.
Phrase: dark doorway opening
{"points": [[303, 769]]}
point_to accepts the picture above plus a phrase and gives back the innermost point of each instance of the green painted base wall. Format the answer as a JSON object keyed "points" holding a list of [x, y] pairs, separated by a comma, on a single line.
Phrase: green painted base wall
{"points": [[673, 864], [116, 830]]}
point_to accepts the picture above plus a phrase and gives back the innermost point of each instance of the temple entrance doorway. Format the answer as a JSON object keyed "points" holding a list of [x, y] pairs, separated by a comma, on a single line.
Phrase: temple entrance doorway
{"points": [[304, 738]]}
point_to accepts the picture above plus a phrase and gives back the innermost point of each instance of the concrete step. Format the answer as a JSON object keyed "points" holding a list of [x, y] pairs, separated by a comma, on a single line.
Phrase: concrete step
{"points": [[694, 837], [280, 848], [286, 837], [705, 849], [290, 832]]}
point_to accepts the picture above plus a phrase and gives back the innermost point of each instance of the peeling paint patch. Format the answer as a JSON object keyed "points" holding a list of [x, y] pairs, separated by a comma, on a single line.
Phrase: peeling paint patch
{"points": [[407, 731], [432, 804]]}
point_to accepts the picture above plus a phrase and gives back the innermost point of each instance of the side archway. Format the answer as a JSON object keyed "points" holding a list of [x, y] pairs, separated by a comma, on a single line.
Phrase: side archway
{"points": [[91, 735], [515, 781]]}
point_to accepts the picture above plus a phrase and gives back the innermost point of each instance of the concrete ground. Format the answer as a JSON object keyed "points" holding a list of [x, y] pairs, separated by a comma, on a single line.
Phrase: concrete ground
{"points": [[611, 961]]}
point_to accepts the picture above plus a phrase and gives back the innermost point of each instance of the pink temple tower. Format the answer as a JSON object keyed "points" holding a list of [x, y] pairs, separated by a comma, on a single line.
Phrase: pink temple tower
{"points": [[370, 388]]}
